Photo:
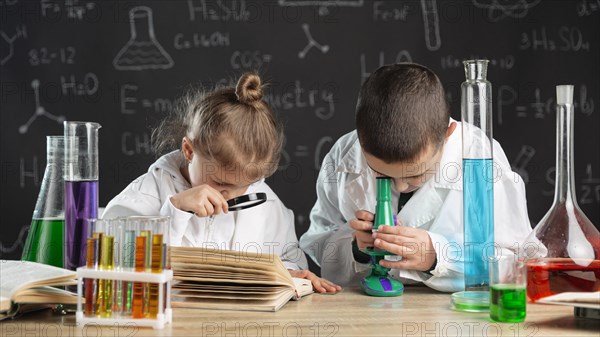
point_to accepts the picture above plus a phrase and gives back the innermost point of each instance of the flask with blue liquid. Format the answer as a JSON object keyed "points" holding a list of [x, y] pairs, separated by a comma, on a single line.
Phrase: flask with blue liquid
{"points": [[478, 189]]}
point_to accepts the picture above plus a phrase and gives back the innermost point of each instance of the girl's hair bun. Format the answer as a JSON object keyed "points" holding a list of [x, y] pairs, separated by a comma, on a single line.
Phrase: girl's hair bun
{"points": [[248, 89]]}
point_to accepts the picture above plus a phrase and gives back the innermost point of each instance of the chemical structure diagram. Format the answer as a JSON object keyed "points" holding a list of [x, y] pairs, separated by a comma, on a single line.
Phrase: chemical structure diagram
{"points": [[39, 110], [8, 43], [311, 43]]}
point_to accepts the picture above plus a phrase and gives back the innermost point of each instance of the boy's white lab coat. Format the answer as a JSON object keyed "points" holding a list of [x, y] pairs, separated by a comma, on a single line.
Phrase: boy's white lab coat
{"points": [[346, 184], [266, 228]]}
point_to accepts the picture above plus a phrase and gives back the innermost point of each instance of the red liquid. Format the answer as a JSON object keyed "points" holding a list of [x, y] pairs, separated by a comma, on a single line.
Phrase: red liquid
{"points": [[547, 277]]}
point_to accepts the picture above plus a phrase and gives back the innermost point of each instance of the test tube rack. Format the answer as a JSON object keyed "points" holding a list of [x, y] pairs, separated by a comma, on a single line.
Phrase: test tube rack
{"points": [[163, 278]]}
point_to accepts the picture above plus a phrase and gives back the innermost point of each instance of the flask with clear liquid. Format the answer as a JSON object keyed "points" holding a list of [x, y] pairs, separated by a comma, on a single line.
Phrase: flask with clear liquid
{"points": [[44, 242], [564, 248]]}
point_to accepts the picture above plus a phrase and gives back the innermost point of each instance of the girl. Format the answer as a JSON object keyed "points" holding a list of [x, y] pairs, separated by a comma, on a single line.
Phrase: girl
{"points": [[230, 141]]}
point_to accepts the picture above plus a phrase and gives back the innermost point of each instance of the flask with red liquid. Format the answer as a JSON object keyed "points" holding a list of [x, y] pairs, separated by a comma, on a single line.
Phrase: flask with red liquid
{"points": [[564, 248]]}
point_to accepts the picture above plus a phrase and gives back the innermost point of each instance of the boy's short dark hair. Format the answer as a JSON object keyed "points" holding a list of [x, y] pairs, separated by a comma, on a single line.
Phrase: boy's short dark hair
{"points": [[401, 109]]}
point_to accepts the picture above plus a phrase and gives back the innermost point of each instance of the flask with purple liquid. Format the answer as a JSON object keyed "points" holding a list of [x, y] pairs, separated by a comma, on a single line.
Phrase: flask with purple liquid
{"points": [[81, 188]]}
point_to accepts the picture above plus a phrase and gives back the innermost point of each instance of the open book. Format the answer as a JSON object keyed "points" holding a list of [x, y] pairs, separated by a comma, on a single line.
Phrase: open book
{"points": [[232, 280], [23, 283]]}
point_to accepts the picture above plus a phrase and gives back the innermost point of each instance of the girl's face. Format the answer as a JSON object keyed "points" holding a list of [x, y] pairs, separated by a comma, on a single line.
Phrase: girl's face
{"points": [[231, 182]]}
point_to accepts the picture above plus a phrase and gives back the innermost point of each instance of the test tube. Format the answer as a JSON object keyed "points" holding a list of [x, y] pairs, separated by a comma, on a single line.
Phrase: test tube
{"points": [[90, 283], [98, 236], [105, 301], [138, 300], [115, 228], [157, 267], [147, 234], [128, 264]]}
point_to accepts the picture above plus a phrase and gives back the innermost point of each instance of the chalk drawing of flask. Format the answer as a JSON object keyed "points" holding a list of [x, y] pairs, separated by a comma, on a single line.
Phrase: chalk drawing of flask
{"points": [[142, 51]]}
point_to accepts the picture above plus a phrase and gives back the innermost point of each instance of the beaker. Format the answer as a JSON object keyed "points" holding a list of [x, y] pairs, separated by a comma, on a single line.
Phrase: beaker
{"points": [[81, 188], [478, 188], [564, 248], [44, 242]]}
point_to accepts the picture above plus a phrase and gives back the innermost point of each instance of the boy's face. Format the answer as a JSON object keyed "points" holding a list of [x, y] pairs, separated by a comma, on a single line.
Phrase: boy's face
{"points": [[408, 176]]}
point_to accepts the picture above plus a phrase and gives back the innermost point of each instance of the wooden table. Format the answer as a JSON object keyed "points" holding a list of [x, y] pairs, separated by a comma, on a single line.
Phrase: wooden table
{"points": [[419, 312]]}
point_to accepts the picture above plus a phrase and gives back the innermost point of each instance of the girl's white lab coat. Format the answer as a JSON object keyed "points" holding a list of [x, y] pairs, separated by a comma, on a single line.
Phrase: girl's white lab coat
{"points": [[346, 184], [266, 228]]}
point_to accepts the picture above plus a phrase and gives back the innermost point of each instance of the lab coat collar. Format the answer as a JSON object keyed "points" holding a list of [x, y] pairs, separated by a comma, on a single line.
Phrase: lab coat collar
{"points": [[449, 172], [353, 161], [171, 164]]}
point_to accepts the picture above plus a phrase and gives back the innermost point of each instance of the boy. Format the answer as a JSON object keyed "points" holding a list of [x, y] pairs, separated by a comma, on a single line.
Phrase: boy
{"points": [[404, 131]]}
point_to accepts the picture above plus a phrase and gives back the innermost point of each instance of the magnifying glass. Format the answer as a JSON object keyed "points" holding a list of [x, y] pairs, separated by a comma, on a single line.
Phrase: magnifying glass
{"points": [[245, 201]]}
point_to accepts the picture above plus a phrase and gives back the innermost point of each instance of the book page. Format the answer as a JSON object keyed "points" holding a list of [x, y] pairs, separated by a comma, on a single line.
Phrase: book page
{"points": [[255, 263], [237, 304], [18, 275], [47, 295], [231, 280], [303, 287]]}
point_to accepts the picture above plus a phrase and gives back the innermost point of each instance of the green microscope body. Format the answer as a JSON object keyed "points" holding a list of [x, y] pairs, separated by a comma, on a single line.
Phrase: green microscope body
{"points": [[378, 282]]}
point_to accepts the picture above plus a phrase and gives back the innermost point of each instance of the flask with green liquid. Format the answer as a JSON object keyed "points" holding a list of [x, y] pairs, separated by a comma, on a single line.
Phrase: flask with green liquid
{"points": [[44, 242]]}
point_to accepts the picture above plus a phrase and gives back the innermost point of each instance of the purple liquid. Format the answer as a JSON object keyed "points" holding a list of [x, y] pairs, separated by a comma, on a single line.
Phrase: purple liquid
{"points": [[81, 205]]}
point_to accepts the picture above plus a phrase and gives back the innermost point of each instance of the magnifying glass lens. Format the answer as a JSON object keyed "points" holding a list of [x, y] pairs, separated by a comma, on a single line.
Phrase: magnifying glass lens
{"points": [[246, 201]]}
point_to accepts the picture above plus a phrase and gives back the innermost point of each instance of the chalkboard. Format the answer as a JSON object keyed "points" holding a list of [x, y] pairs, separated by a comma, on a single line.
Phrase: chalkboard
{"points": [[123, 63]]}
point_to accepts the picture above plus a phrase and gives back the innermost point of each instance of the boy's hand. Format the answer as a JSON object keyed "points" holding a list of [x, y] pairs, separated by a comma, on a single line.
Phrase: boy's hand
{"points": [[201, 200], [414, 245], [362, 226], [320, 284]]}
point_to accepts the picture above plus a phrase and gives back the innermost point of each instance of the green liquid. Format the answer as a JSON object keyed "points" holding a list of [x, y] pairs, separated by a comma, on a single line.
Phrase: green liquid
{"points": [[471, 307], [507, 303], [45, 242]]}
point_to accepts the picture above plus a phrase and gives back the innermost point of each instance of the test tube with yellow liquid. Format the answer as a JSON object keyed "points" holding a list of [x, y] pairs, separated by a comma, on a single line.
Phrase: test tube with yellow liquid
{"points": [[105, 299]]}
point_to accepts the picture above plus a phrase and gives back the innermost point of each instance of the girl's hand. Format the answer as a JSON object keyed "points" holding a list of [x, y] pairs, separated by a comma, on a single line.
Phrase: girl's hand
{"points": [[413, 244], [202, 200], [320, 284]]}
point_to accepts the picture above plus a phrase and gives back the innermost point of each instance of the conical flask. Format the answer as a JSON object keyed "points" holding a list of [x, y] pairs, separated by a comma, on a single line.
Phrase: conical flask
{"points": [[44, 242], [564, 248], [142, 51]]}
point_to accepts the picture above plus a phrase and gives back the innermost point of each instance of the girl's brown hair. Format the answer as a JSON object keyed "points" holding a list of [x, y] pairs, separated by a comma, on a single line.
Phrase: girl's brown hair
{"points": [[233, 126]]}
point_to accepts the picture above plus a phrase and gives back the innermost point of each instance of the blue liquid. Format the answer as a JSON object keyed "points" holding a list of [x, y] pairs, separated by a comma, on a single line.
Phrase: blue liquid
{"points": [[81, 206], [478, 206]]}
